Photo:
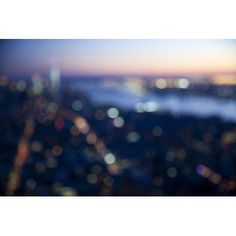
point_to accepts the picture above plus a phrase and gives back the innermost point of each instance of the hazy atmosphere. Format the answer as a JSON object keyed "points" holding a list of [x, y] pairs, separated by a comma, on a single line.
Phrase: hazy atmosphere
{"points": [[118, 117], [118, 57]]}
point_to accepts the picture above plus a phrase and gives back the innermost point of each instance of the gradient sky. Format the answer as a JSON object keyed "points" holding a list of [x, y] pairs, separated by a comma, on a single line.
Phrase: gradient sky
{"points": [[116, 57]]}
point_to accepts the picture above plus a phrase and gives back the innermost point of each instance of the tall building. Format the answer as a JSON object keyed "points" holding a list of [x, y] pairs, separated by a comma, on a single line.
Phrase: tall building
{"points": [[55, 81]]}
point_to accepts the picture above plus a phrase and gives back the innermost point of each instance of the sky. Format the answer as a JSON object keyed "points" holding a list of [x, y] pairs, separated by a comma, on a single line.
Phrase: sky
{"points": [[118, 57]]}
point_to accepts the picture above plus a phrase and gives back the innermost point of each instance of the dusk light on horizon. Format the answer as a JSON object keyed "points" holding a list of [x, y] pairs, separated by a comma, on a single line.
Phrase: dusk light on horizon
{"points": [[118, 57]]}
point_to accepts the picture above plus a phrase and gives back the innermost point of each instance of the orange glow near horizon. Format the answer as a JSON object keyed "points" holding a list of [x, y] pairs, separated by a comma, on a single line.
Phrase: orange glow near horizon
{"points": [[225, 80], [117, 57]]}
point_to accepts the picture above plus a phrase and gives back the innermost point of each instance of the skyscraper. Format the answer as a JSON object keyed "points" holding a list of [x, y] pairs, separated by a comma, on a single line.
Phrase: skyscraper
{"points": [[55, 81]]}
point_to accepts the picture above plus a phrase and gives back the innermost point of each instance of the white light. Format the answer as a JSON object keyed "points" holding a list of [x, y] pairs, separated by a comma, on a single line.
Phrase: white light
{"points": [[151, 106], [118, 122], [113, 112], [110, 158], [140, 107], [161, 83], [183, 83]]}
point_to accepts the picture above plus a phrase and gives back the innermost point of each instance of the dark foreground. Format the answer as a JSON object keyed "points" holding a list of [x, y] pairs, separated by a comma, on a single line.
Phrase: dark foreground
{"points": [[63, 144]]}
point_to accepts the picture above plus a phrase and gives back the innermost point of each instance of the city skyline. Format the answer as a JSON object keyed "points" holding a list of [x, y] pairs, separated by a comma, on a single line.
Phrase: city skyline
{"points": [[118, 57]]}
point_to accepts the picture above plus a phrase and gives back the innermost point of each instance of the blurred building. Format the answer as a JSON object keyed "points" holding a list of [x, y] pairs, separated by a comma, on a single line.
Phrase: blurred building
{"points": [[55, 81], [37, 84]]}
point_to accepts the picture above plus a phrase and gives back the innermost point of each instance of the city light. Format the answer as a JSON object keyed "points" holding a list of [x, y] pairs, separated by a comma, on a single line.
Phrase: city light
{"points": [[118, 118]]}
